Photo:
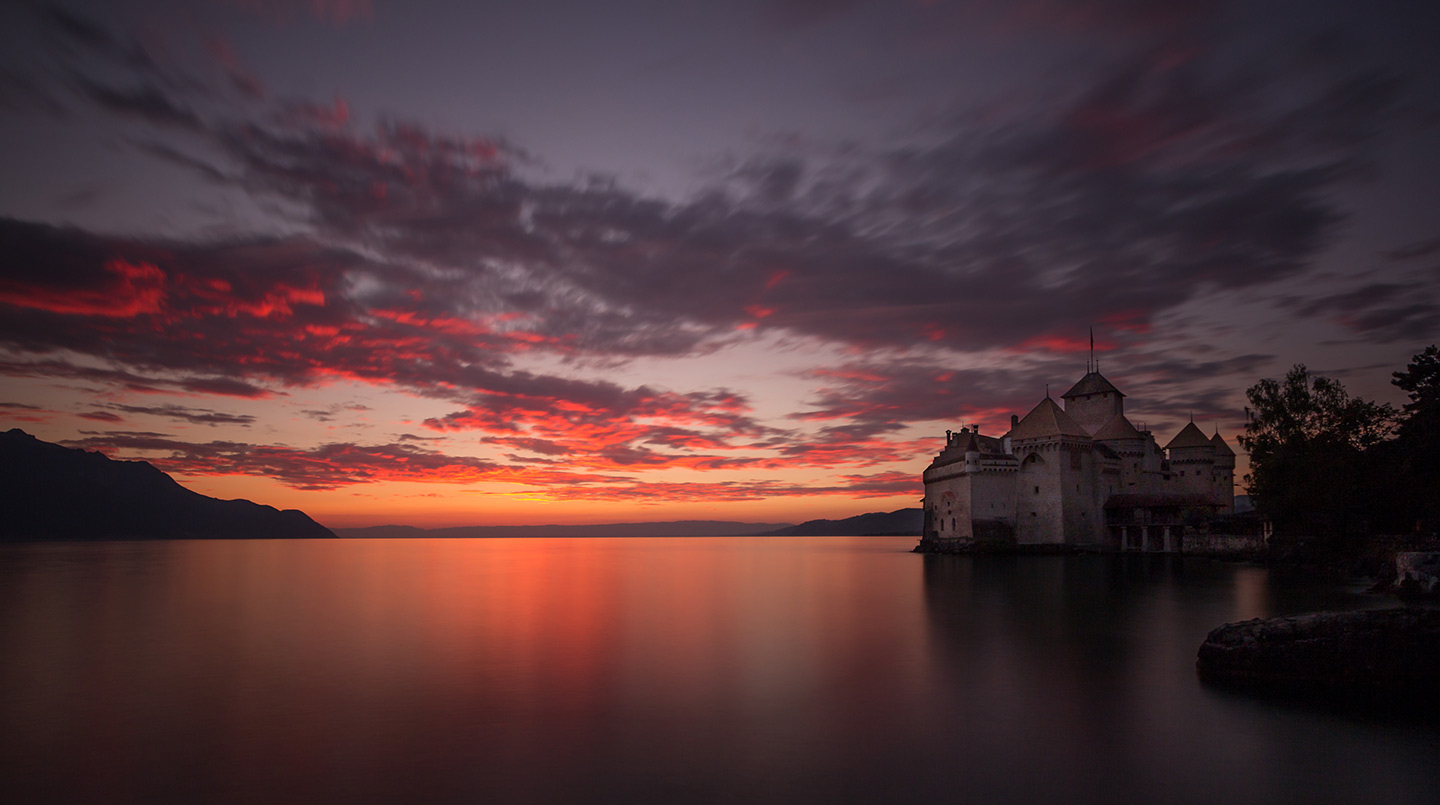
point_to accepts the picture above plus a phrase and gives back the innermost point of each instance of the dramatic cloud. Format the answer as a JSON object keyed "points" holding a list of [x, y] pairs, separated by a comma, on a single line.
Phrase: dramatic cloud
{"points": [[1155, 182], [1384, 312], [336, 465], [1145, 159]]}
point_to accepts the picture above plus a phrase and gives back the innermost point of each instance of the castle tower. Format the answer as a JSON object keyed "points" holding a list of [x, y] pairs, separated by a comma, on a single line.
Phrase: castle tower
{"points": [[1121, 436], [1192, 461], [970, 489], [1093, 402], [1224, 474], [1055, 489]]}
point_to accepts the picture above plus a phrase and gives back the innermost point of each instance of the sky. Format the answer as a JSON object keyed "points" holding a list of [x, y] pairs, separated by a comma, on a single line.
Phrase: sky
{"points": [[568, 262]]}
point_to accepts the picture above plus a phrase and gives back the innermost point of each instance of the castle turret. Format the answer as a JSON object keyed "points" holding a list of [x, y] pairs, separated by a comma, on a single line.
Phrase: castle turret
{"points": [[969, 489], [1192, 461]]}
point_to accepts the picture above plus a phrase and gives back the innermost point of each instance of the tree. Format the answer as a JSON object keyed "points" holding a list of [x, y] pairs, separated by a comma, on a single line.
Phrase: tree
{"points": [[1416, 493], [1307, 439], [1421, 380]]}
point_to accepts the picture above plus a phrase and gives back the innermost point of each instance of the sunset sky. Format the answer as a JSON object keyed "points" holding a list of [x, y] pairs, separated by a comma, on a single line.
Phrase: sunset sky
{"points": [[565, 262]]}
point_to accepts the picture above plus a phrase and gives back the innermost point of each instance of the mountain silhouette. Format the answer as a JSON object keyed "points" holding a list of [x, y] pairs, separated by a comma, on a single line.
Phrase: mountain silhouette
{"points": [[899, 523], [52, 492]]}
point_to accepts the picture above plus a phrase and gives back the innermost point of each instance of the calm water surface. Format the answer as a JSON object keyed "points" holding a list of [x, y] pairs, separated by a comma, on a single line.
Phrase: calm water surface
{"points": [[740, 669]]}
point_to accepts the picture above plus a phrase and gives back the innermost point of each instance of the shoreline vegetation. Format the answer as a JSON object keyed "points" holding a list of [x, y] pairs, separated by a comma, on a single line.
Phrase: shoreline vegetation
{"points": [[1352, 488]]}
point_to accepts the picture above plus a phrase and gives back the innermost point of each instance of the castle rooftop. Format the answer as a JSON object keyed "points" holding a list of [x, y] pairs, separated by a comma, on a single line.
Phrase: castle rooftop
{"points": [[1118, 428], [1091, 383], [1189, 436], [1045, 420], [1221, 448]]}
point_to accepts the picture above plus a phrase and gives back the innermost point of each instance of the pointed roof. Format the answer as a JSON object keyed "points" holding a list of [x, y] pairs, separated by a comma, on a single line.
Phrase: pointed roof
{"points": [[1091, 383], [1189, 436], [1118, 428], [1221, 448], [1046, 419]]}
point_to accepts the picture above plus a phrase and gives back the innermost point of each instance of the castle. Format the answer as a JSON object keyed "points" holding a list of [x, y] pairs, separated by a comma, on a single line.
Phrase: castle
{"points": [[1081, 475]]}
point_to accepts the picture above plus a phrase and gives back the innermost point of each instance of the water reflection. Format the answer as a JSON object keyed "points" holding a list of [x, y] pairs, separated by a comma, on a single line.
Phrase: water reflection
{"points": [[697, 669], [1080, 670]]}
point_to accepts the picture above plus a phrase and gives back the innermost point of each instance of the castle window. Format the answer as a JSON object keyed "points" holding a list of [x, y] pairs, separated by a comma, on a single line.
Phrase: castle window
{"points": [[952, 523], [1037, 490]]}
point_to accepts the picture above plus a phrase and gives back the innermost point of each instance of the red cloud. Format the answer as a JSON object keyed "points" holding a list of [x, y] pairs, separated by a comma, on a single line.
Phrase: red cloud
{"points": [[333, 466], [1059, 343], [131, 289]]}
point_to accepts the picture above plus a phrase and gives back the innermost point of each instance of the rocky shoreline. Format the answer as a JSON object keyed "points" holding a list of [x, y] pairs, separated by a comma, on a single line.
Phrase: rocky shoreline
{"points": [[1379, 654]]}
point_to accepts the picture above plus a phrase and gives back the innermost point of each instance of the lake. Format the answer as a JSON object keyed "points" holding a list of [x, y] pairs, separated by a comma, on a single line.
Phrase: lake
{"points": [[696, 669]]}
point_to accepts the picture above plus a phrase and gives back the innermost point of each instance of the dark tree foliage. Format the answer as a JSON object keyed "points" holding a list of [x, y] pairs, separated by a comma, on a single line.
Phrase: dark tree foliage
{"points": [[1324, 464], [1308, 441], [1421, 380], [1416, 451]]}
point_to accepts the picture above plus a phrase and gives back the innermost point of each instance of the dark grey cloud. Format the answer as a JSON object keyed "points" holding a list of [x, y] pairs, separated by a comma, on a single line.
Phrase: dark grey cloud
{"points": [[329, 413], [1412, 251], [1148, 180], [1405, 310], [20, 93], [195, 416], [169, 153], [159, 380], [1134, 197], [75, 31], [101, 416], [147, 103]]}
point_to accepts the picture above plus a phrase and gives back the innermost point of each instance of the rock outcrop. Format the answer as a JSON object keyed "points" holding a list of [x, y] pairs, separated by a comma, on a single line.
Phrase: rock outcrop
{"points": [[48, 491], [1367, 652], [1417, 574]]}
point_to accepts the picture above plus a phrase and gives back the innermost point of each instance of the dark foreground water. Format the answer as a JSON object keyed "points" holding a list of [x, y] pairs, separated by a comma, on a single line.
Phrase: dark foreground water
{"points": [[740, 670]]}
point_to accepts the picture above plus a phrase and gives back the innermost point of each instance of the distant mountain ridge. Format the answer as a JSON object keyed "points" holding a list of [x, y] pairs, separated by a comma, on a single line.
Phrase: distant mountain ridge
{"points": [[899, 523], [674, 528], [48, 491]]}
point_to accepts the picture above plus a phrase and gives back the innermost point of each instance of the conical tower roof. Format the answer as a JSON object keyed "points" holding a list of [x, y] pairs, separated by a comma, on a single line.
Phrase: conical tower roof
{"points": [[1118, 428], [1091, 383], [1221, 448], [1045, 420], [1189, 436]]}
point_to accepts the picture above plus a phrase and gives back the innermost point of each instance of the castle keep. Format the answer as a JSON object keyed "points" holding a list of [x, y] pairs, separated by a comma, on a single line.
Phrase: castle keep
{"points": [[1080, 475]]}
